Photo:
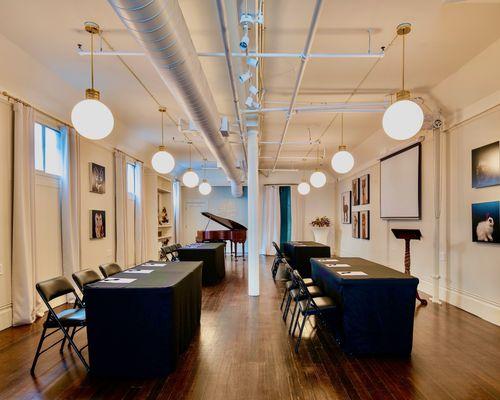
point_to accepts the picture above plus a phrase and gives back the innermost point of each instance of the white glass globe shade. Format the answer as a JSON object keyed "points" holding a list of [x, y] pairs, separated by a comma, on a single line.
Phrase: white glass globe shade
{"points": [[92, 119], [317, 179], [304, 188], [163, 162], [342, 161], [190, 179], [403, 119], [205, 188]]}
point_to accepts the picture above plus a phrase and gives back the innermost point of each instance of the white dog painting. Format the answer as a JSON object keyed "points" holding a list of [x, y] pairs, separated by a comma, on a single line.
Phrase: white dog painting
{"points": [[485, 222]]}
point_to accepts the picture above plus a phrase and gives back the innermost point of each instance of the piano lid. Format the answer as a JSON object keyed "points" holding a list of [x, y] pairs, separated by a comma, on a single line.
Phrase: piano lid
{"points": [[228, 223]]}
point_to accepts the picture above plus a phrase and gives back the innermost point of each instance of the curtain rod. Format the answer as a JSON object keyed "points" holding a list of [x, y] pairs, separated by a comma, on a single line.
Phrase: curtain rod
{"points": [[280, 184]]}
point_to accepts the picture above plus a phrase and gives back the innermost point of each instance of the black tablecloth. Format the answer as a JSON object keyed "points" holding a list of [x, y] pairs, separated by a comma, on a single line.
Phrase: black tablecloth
{"points": [[212, 255], [138, 329], [298, 255], [375, 311]]}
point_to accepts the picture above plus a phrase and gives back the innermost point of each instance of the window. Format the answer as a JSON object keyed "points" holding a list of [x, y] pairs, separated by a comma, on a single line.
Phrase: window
{"points": [[131, 178], [48, 154]]}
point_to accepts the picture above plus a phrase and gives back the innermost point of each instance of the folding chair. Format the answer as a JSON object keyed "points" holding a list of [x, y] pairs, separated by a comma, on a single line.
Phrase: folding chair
{"points": [[279, 258], [85, 277], [65, 320], [110, 269], [309, 305], [289, 285]]}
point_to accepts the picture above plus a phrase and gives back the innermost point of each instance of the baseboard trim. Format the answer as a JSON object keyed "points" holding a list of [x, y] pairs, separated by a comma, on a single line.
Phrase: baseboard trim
{"points": [[5, 316]]}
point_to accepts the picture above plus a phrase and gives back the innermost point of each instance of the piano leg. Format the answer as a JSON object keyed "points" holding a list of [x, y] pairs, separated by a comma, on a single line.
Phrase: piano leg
{"points": [[243, 247]]}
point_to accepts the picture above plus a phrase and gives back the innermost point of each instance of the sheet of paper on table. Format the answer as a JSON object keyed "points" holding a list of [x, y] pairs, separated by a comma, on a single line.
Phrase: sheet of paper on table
{"points": [[153, 264], [119, 280], [138, 271], [339, 266], [351, 273], [328, 260]]}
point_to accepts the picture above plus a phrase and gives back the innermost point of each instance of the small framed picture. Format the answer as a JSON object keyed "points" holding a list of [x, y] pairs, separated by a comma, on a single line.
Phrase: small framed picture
{"points": [[364, 224], [486, 165], [97, 224], [364, 187], [346, 207], [485, 222], [355, 224], [97, 176], [355, 192]]}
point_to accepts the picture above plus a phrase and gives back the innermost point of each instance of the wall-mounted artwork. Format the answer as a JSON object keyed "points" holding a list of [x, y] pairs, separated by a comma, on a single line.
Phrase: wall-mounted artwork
{"points": [[355, 192], [97, 176], [355, 224], [346, 207], [364, 224], [486, 165], [97, 224], [485, 222], [364, 187]]}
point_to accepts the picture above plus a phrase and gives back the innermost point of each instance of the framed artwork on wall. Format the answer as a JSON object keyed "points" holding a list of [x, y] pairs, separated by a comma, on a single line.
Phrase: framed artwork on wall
{"points": [[346, 207], [485, 222], [97, 224], [355, 192], [97, 176], [364, 224], [355, 224], [364, 187], [486, 165]]}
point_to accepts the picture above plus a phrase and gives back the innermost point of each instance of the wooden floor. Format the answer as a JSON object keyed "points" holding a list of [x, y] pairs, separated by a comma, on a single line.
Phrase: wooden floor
{"points": [[243, 352]]}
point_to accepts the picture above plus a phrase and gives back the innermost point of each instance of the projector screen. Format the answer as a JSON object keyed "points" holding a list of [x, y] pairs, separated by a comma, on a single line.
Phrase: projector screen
{"points": [[400, 184]]}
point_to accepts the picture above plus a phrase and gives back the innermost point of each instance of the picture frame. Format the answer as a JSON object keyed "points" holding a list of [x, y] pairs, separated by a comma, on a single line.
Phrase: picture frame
{"points": [[364, 187], [355, 192], [97, 224], [364, 224], [485, 165], [346, 202], [485, 222], [97, 178], [355, 224]]}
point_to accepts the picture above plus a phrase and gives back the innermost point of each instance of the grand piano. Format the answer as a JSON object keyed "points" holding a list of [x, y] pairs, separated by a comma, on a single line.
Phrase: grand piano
{"points": [[235, 234]]}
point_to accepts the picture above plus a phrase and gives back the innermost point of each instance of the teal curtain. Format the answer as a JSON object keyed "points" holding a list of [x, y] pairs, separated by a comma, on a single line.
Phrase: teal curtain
{"points": [[285, 214]]}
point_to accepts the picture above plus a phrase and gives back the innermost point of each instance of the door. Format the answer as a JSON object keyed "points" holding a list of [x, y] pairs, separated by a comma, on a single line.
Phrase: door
{"points": [[193, 220]]}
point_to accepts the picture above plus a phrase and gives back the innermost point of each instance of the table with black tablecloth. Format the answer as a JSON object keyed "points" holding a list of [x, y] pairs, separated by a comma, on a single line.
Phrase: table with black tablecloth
{"points": [[299, 253], [138, 329], [212, 255], [376, 310]]}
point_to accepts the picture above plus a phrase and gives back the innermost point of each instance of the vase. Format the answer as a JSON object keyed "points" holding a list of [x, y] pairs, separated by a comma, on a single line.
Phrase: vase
{"points": [[321, 234]]}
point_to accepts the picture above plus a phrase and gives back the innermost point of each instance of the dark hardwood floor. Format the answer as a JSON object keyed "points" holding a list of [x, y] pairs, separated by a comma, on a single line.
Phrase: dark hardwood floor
{"points": [[243, 351]]}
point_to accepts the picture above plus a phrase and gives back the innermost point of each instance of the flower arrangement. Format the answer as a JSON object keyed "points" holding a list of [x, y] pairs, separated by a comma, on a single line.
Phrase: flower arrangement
{"points": [[321, 222]]}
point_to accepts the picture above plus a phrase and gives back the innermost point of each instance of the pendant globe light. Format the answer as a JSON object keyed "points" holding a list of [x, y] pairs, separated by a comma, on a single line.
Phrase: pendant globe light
{"points": [[190, 178], [404, 118], [205, 188], [303, 187], [318, 178], [162, 161], [342, 160], [90, 117]]}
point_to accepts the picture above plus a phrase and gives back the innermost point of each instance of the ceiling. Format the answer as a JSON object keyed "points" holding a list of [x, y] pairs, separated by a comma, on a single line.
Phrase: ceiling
{"points": [[444, 37]]}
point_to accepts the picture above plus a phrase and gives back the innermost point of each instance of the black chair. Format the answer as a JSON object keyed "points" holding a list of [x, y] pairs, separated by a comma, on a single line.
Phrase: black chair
{"points": [[279, 259], [164, 253], [63, 321], [289, 285], [309, 305], [85, 277], [110, 269]]}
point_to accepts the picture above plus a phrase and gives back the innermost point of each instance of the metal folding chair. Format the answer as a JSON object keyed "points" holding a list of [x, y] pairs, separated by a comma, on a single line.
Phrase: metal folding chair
{"points": [[110, 269], [279, 259], [62, 321]]}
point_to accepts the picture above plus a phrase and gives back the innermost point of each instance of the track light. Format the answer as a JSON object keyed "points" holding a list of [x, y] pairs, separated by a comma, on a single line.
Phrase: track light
{"points": [[245, 40], [253, 62], [246, 18], [253, 90], [245, 77], [255, 105], [259, 19], [249, 101]]}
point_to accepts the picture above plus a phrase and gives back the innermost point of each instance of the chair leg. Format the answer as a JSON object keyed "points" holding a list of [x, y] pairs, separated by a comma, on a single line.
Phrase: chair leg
{"points": [[300, 333], [63, 342], [73, 335], [287, 307], [296, 323], [284, 297], [74, 346], [37, 354], [293, 316]]}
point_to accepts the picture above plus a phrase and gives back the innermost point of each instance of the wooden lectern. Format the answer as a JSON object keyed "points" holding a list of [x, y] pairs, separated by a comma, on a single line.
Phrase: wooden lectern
{"points": [[407, 235]]}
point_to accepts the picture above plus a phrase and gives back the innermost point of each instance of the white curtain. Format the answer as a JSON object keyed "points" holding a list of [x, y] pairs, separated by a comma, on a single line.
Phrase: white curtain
{"points": [[26, 304], [140, 214], [121, 208], [70, 205], [271, 220], [177, 211], [297, 203]]}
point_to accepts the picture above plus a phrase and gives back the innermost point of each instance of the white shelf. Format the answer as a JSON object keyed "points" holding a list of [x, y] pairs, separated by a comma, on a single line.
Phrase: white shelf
{"points": [[164, 237], [161, 190], [164, 226]]}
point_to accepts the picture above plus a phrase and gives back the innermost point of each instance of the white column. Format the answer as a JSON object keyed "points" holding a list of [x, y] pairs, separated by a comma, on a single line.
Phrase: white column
{"points": [[437, 215], [253, 213]]}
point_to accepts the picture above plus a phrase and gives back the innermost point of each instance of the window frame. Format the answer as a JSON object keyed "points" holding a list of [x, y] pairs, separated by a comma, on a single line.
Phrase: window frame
{"points": [[130, 194], [43, 171]]}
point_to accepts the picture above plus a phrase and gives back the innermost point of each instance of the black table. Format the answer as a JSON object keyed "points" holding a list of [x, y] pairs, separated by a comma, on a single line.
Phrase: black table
{"points": [[138, 329], [299, 253], [212, 255], [376, 310]]}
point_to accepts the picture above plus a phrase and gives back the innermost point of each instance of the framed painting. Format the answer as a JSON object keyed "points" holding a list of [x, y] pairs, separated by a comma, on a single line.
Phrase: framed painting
{"points": [[364, 187], [346, 207], [364, 224], [355, 192], [355, 224], [97, 176], [486, 165]]}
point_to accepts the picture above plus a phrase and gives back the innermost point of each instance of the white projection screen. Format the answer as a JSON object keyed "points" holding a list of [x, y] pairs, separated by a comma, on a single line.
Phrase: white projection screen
{"points": [[400, 185]]}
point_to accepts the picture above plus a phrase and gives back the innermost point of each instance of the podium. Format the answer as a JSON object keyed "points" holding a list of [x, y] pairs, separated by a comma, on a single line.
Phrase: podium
{"points": [[407, 235]]}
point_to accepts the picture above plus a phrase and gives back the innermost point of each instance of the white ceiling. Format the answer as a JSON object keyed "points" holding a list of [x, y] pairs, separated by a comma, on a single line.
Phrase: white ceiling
{"points": [[444, 37]]}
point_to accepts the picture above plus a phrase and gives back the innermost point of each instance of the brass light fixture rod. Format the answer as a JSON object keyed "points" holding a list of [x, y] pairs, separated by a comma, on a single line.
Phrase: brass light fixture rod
{"points": [[92, 28], [403, 30]]}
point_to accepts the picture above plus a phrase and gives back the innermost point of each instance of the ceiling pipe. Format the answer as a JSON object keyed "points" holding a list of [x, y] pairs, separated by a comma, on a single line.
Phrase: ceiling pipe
{"points": [[304, 59], [339, 107], [160, 28], [221, 9]]}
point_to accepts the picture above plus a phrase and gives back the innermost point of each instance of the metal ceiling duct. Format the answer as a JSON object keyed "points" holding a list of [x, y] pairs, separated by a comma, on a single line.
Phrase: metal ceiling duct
{"points": [[160, 28]]}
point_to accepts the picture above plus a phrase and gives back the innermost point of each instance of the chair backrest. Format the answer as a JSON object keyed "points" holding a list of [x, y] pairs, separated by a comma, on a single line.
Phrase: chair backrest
{"points": [[53, 288], [279, 253], [109, 269], [304, 291], [85, 277]]}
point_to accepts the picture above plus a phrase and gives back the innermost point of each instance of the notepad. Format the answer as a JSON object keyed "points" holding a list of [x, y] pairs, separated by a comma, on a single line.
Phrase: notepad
{"points": [[152, 264], [119, 280], [351, 273], [327, 260], [340, 266], [138, 271]]}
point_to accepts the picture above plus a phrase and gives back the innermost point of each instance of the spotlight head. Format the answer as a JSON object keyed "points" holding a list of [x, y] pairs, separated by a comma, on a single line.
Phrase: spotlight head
{"points": [[259, 19], [245, 40], [246, 18], [253, 90], [253, 62], [255, 105], [249, 102], [245, 77]]}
